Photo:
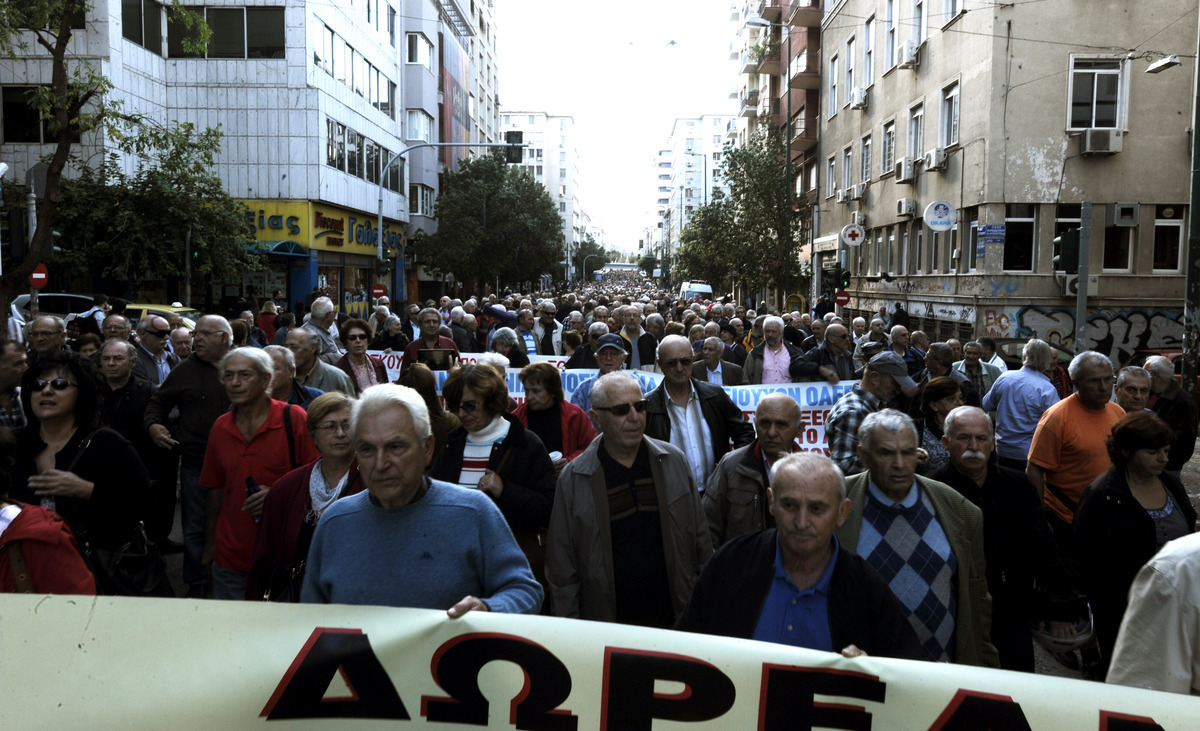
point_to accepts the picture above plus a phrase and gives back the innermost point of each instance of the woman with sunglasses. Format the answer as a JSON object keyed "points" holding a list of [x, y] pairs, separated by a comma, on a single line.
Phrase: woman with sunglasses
{"points": [[66, 462], [297, 500], [496, 454], [364, 371]]}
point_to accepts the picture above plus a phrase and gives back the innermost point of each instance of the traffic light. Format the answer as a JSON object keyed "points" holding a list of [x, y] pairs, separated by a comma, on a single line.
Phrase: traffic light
{"points": [[515, 152], [844, 279], [1067, 244]]}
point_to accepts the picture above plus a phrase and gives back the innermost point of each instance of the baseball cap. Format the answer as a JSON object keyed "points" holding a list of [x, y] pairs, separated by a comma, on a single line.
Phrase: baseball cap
{"points": [[611, 340], [894, 366]]}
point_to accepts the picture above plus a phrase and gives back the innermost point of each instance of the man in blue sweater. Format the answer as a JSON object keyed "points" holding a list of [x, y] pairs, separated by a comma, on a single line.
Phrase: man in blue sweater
{"points": [[409, 541]]}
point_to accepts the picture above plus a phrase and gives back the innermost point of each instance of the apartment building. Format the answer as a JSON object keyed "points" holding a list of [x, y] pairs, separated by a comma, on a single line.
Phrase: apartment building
{"points": [[1005, 128]]}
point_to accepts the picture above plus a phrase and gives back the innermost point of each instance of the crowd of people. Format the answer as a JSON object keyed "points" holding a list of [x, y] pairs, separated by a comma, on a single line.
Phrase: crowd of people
{"points": [[963, 511]]}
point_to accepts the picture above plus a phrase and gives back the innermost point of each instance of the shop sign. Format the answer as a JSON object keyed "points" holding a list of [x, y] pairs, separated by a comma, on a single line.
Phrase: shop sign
{"points": [[273, 220], [335, 229]]}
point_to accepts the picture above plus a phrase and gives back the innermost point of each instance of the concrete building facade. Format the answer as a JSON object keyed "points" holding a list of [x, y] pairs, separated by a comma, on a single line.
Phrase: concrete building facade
{"points": [[1015, 125]]}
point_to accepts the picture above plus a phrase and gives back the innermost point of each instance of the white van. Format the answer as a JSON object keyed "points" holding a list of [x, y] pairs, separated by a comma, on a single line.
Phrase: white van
{"points": [[692, 289]]}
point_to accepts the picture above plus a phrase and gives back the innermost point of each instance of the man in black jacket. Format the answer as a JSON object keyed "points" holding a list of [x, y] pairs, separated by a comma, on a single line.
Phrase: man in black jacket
{"points": [[693, 415], [795, 585]]}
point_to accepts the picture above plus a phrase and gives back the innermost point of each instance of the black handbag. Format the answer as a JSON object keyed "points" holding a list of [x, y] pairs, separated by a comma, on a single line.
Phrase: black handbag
{"points": [[134, 569], [286, 579]]}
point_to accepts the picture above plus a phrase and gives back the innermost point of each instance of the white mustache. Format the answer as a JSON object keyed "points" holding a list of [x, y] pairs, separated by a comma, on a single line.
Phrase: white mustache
{"points": [[974, 454]]}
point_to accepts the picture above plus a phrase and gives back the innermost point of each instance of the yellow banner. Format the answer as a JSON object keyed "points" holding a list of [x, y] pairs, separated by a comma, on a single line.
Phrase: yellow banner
{"points": [[79, 662]]}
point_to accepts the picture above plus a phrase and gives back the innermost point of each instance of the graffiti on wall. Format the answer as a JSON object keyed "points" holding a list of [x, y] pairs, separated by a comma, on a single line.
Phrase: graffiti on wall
{"points": [[1116, 333]]}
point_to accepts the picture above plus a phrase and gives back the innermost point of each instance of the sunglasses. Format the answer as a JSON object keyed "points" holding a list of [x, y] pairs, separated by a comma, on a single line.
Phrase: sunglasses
{"points": [[156, 333], [58, 384], [356, 336], [468, 406], [623, 409]]}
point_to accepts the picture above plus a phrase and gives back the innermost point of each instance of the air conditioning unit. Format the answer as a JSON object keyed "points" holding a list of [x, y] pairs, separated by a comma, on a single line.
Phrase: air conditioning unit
{"points": [[906, 170], [855, 192], [906, 207], [1101, 142], [841, 195], [1070, 285], [858, 98], [909, 55], [935, 159], [1124, 215], [859, 217]]}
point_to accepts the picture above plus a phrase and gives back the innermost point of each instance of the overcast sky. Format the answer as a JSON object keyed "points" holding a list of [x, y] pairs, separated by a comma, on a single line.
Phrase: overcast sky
{"points": [[624, 70]]}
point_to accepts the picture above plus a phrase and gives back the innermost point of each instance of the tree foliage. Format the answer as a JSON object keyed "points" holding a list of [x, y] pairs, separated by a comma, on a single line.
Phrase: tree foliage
{"points": [[494, 222], [172, 209], [704, 246], [589, 256]]}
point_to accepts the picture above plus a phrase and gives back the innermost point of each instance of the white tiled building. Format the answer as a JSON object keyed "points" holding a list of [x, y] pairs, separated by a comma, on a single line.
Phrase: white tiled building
{"points": [[687, 171]]}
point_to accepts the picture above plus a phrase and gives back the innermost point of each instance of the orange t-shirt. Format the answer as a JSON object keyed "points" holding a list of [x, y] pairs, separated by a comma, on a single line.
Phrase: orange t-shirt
{"points": [[1069, 446]]}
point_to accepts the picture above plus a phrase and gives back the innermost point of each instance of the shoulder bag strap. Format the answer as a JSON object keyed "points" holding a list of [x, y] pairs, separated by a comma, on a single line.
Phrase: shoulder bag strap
{"points": [[291, 438], [20, 570]]}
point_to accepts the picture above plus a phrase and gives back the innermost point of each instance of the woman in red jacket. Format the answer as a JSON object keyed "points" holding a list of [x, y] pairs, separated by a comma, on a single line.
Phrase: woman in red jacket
{"points": [[562, 426]]}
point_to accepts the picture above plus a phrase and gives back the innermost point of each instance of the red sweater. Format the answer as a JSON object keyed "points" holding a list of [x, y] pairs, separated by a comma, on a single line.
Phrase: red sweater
{"points": [[51, 554]]}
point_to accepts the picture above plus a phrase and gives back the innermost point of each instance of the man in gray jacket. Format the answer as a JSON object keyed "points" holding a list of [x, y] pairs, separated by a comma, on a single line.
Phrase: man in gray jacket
{"points": [[627, 536]]}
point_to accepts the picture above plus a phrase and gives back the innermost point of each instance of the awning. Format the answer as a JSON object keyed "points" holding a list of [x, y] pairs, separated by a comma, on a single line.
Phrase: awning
{"points": [[279, 248]]}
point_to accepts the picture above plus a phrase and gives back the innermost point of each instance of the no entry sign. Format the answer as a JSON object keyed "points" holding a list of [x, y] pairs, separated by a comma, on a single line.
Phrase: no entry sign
{"points": [[39, 277]]}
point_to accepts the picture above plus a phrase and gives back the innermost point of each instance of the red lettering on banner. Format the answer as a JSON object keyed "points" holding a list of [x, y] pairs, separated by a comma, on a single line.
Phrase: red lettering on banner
{"points": [[629, 701], [787, 699], [1110, 721], [970, 709]]}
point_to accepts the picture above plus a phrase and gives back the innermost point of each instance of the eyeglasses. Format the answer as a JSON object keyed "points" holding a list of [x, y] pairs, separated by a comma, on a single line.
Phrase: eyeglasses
{"points": [[468, 406], [676, 363], [334, 426], [623, 409], [206, 333], [58, 384], [354, 337], [46, 333], [156, 333]]}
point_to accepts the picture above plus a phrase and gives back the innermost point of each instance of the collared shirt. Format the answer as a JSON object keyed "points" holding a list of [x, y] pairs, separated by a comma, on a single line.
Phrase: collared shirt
{"points": [[635, 356], [841, 427], [716, 376], [14, 418], [797, 617], [776, 364], [690, 433], [1019, 399], [976, 377], [160, 362], [909, 500]]}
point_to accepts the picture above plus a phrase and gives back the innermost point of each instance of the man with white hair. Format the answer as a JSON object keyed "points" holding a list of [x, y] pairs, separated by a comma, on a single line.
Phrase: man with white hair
{"points": [[1019, 398], [1176, 407], [771, 360], [379, 547], [1133, 389], [321, 317], [305, 345]]}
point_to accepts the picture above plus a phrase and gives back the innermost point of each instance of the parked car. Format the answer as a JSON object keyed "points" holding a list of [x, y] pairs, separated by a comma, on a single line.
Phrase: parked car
{"points": [[1175, 356], [64, 305], [1009, 350], [137, 310]]}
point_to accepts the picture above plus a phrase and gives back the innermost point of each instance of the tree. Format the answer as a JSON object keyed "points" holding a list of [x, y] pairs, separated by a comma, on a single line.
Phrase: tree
{"points": [[170, 216], [589, 256], [648, 264], [494, 222], [72, 105], [705, 247]]}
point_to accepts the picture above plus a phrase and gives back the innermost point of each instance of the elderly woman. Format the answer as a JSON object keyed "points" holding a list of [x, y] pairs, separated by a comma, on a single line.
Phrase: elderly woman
{"points": [[89, 475], [563, 427], [364, 371], [1126, 515], [391, 337], [495, 453], [442, 423], [506, 343], [941, 396], [296, 501]]}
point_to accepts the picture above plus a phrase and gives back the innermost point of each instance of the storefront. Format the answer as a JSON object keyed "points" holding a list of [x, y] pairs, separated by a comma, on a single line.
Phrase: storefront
{"points": [[309, 244]]}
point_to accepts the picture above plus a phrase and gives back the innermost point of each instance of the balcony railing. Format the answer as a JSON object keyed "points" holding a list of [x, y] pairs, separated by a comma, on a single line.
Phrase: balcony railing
{"points": [[805, 13]]}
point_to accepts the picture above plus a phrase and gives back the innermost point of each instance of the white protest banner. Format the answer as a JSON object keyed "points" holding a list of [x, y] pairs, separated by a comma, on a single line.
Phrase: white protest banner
{"points": [[115, 662]]}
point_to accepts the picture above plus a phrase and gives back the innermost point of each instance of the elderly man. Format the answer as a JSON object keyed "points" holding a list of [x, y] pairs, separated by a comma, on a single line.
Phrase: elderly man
{"points": [[379, 316], [639, 344], [47, 336], [431, 339], [181, 342], [13, 364], [196, 389], [1133, 389], [548, 331], [610, 356], [283, 381], [463, 340], [939, 361], [656, 325], [830, 361], [321, 318], [1068, 449], [875, 334], [412, 328], [772, 360], [366, 547], [305, 345], [924, 539], [1019, 398], [796, 585], [116, 327], [813, 341], [1017, 542], [913, 358], [735, 501], [154, 361], [627, 535], [989, 354], [919, 339], [712, 368], [859, 325], [1176, 407], [883, 378], [981, 373], [956, 347], [251, 446], [524, 329], [695, 416]]}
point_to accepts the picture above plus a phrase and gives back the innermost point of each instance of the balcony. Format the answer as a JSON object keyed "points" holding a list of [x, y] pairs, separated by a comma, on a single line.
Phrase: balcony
{"points": [[805, 13], [804, 133], [771, 62], [749, 105], [768, 107], [806, 70], [731, 130], [770, 10], [749, 63]]}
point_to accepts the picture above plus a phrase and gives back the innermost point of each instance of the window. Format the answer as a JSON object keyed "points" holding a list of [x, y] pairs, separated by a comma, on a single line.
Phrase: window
{"points": [[833, 82], [830, 176], [904, 260], [420, 50], [848, 89], [228, 32], [22, 123], [868, 44], [356, 164], [264, 33], [974, 252], [1066, 216], [1098, 91], [392, 179], [1118, 248], [952, 8], [391, 25], [336, 150], [918, 21], [141, 22], [889, 34], [1019, 237], [847, 167], [341, 67], [948, 132], [420, 200], [1168, 239], [888, 161], [420, 126], [372, 162], [247, 33], [916, 130], [562, 207], [864, 162]]}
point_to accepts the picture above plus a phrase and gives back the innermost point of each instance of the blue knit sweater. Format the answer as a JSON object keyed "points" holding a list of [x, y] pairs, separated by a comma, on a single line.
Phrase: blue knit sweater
{"points": [[428, 554]]}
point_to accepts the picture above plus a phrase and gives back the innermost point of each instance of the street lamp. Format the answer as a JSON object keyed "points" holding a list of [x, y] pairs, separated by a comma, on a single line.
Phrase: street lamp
{"points": [[760, 22], [585, 261]]}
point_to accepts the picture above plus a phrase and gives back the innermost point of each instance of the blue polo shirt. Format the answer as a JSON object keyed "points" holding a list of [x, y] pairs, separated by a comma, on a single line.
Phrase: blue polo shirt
{"points": [[793, 617]]}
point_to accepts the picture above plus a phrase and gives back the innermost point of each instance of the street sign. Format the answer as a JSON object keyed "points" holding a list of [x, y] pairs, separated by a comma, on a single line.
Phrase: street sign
{"points": [[940, 216], [853, 234], [841, 298], [39, 277], [378, 290]]}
